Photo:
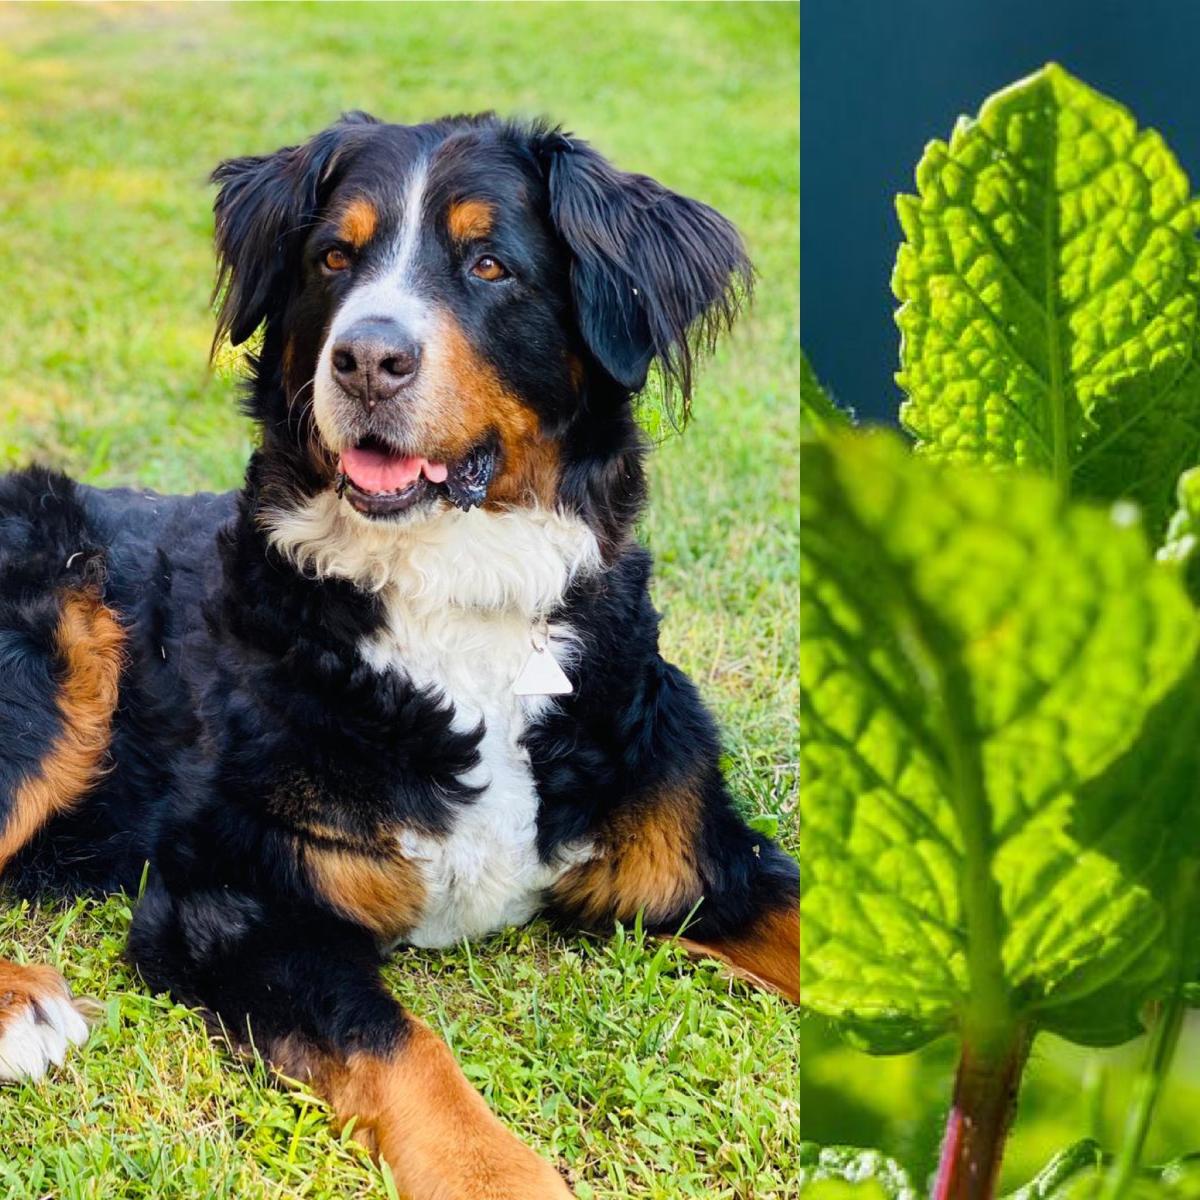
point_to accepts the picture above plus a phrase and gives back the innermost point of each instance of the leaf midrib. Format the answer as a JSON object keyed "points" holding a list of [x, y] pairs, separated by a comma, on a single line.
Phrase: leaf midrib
{"points": [[1056, 393]]}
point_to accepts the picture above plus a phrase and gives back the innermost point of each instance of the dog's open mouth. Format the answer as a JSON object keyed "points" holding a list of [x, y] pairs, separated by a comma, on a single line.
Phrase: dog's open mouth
{"points": [[379, 481]]}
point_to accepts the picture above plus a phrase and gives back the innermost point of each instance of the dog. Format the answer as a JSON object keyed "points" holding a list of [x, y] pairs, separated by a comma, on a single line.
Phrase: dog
{"points": [[404, 686]]}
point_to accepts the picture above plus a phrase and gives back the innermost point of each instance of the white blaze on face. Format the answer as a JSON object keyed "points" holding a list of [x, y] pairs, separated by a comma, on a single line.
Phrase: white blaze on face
{"points": [[389, 294]]}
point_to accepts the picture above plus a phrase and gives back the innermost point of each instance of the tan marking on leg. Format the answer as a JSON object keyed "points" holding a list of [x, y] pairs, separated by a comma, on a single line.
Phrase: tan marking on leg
{"points": [[358, 222], [768, 954], [647, 859], [469, 220], [381, 893], [89, 640], [419, 1112]]}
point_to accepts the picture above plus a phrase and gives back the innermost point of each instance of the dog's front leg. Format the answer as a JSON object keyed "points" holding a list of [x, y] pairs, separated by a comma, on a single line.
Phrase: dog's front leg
{"points": [[671, 844], [304, 989], [419, 1112], [679, 855]]}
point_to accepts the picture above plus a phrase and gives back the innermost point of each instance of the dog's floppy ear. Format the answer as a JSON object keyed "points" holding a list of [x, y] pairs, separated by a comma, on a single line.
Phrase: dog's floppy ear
{"points": [[654, 275], [264, 202]]}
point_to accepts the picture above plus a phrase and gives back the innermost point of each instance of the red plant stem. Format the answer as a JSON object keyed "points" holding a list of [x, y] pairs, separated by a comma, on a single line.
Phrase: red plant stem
{"points": [[985, 1102]]}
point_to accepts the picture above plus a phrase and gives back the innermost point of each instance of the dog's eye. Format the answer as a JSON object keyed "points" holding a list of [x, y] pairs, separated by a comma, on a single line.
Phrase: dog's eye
{"points": [[335, 260], [489, 268]]}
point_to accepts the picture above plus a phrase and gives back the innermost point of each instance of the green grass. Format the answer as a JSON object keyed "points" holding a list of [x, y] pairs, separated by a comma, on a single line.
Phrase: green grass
{"points": [[642, 1074]]}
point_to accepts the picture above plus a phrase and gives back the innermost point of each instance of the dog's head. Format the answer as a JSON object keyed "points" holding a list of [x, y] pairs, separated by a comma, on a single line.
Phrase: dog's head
{"points": [[459, 313]]}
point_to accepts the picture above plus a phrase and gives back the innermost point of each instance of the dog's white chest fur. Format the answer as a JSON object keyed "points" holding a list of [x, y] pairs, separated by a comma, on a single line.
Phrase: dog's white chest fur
{"points": [[462, 592], [485, 874]]}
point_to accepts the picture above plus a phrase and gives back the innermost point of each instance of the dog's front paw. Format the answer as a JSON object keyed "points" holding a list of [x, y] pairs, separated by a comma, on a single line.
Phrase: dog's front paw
{"points": [[39, 1019]]}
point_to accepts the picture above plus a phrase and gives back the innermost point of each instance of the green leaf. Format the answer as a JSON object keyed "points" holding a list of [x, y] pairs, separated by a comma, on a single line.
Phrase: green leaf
{"points": [[1049, 287], [1175, 1180], [858, 1171], [765, 823], [975, 655], [1145, 808], [1181, 1176], [843, 1189], [818, 413], [1081, 1157], [1182, 539]]}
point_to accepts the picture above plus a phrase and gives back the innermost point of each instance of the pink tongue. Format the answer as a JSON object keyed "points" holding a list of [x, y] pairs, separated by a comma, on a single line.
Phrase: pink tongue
{"points": [[378, 471]]}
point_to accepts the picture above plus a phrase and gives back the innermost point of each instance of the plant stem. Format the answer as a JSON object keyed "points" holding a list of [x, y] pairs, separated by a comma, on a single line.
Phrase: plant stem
{"points": [[985, 1102], [1146, 1093], [1164, 1038]]}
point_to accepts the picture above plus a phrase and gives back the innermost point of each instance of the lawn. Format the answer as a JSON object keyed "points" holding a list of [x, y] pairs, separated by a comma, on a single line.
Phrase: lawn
{"points": [[642, 1074]]}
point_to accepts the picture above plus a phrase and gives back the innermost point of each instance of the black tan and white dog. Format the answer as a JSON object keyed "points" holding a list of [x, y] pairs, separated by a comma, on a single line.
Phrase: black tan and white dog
{"points": [[403, 687]]}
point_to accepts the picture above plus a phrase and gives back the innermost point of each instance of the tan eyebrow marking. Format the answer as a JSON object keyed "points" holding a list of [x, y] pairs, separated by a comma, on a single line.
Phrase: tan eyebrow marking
{"points": [[469, 219], [358, 222]]}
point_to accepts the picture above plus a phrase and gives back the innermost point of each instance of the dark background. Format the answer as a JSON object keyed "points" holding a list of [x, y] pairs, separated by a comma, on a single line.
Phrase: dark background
{"points": [[880, 78]]}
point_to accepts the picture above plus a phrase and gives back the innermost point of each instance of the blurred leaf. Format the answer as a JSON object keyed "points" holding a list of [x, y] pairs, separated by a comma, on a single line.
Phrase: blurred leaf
{"points": [[827, 1172], [1183, 532], [1176, 1180], [840, 1189], [975, 653], [765, 823], [1065, 1165], [1182, 1176]]}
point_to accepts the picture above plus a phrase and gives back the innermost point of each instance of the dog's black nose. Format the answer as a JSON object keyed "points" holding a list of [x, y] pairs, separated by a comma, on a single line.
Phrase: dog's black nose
{"points": [[374, 359]]}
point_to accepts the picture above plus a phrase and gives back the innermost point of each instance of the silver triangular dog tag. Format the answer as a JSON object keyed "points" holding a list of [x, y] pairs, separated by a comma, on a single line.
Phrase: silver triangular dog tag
{"points": [[542, 676]]}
